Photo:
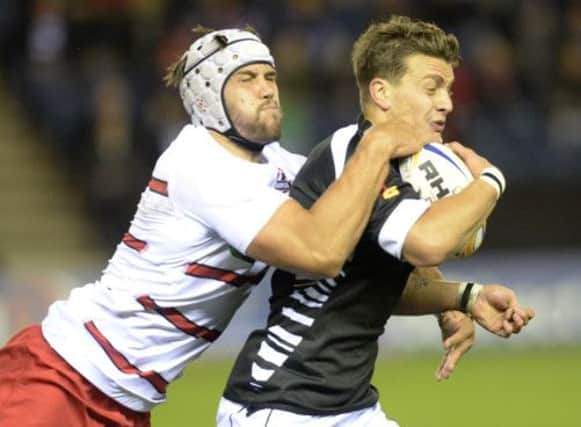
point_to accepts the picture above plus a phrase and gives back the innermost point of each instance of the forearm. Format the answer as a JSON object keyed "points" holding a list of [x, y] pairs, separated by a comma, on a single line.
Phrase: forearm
{"points": [[470, 209], [448, 223], [319, 240], [341, 214], [427, 292]]}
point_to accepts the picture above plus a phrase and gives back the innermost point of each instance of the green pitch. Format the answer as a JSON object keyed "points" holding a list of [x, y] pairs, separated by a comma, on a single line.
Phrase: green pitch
{"points": [[525, 387]]}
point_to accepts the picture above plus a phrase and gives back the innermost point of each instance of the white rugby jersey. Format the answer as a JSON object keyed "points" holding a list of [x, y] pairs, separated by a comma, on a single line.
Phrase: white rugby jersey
{"points": [[178, 276]]}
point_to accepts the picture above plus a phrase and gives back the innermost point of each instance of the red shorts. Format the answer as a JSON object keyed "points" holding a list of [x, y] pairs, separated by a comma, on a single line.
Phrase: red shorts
{"points": [[39, 389]]}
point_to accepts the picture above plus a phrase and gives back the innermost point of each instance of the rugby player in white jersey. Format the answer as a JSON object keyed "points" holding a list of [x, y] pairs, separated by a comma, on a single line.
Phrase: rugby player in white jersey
{"points": [[312, 364], [215, 212]]}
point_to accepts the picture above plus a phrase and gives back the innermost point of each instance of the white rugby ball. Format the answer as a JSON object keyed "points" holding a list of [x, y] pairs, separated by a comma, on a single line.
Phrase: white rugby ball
{"points": [[436, 172]]}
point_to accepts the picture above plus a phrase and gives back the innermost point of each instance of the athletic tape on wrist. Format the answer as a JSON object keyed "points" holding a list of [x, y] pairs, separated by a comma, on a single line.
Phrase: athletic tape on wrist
{"points": [[468, 293], [493, 176], [474, 292]]}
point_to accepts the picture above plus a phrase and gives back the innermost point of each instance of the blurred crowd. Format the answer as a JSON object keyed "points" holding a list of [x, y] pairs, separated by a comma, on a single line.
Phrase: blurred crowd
{"points": [[88, 74]]}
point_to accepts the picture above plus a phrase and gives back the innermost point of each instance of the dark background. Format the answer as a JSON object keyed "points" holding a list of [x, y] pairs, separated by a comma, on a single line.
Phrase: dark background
{"points": [[88, 76]]}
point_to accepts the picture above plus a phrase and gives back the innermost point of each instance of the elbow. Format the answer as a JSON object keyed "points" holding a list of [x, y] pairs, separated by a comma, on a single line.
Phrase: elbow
{"points": [[326, 265], [427, 250], [425, 258]]}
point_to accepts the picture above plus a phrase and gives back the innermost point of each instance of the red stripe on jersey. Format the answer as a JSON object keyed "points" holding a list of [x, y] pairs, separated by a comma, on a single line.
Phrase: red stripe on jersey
{"points": [[177, 319], [230, 277], [121, 362], [133, 242], [158, 186]]}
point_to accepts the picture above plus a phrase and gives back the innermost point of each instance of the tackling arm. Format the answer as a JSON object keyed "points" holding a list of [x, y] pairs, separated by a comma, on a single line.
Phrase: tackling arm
{"points": [[319, 240]]}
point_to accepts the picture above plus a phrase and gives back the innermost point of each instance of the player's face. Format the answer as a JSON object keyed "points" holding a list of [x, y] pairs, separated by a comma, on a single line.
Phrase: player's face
{"points": [[252, 103], [424, 91]]}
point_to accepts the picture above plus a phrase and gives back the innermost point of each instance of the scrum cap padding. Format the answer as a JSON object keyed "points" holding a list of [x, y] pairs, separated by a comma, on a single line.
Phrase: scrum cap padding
{"points": [[210, 60]]}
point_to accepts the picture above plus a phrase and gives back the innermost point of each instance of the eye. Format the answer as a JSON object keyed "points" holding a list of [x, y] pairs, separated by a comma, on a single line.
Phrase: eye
{"points": [[431, 89]]}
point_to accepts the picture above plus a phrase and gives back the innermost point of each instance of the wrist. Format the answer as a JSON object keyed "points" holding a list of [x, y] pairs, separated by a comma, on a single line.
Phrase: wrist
{"points": [[494, 177], [467, 295], [380, 147]]}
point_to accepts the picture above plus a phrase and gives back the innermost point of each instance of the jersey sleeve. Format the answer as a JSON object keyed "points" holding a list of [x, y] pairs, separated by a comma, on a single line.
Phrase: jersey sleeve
{"points": [[234, 204], [395, 212]]}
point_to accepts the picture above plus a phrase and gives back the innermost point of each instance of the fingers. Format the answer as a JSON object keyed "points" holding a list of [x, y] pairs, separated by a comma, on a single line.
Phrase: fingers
{"points": [[497, 324], [473, 160], [455, 146], [521, 317], [499, 313], [445, 369], [530, 312], [458, 334], [456, 327], [507, 329], [525, 313], [451, 359], [460, 150]]}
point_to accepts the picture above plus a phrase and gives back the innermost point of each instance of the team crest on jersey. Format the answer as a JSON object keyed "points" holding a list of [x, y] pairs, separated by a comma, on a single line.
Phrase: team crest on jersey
{"points": [[389, 192], [282, 182]]}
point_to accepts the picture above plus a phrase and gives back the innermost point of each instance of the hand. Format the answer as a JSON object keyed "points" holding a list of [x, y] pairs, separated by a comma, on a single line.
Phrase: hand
{"points": [[496, 310], [458, 337], [475, 163], [402, 135]]}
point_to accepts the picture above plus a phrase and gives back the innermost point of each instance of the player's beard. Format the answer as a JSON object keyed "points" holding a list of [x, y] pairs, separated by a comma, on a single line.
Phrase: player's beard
{"points": [[263, 128]]}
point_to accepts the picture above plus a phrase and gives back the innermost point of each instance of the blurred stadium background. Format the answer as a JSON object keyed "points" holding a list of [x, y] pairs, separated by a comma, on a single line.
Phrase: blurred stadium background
{"points": [[83, 115]]}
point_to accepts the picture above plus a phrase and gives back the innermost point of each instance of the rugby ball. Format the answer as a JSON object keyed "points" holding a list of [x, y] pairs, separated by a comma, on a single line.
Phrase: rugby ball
{"points": [[436, 172]]}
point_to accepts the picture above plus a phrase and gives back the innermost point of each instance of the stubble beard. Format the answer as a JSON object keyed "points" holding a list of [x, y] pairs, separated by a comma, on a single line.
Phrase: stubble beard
{"points": [[261, 129]]}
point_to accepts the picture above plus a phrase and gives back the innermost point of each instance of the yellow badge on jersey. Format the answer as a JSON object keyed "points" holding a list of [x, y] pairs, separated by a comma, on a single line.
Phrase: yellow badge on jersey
{"points": [[390, 192]]}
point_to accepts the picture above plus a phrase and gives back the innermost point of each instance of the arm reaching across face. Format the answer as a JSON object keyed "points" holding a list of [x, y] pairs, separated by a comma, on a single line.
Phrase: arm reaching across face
{"points": [[319, 239]]}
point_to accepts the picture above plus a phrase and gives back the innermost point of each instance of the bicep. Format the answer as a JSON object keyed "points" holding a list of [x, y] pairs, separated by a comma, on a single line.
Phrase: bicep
{"points": [[283, 242]]}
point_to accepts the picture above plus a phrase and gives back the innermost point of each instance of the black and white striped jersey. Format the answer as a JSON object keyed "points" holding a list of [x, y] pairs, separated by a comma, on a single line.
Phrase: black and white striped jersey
{"points": [[317, 353]]}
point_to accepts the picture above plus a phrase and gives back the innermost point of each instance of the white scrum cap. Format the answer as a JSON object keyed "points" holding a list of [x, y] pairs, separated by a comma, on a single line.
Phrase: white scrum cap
{"points": [[210, 61]]}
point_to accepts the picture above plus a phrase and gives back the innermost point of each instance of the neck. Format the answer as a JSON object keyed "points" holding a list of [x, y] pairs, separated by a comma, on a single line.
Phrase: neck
{"points": [[376, 115], [235, 149]]}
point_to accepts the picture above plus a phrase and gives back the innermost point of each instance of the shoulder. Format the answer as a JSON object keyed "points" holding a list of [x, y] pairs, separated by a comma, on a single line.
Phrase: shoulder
{"points": [[324, 164], [328, 156], [197, 168], [290, 162]]}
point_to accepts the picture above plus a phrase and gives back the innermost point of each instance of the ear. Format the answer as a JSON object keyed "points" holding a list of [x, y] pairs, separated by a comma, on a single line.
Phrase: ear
{"points": [[380, 93]]}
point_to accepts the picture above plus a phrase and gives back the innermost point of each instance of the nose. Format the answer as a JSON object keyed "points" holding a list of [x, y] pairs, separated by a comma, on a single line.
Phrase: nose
{"points": [[267, 88], [444, 102]]}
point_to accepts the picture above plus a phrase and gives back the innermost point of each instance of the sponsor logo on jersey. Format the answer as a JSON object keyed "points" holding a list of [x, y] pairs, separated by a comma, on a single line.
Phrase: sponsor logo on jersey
{"points": [[389, 192], [282, 182]]}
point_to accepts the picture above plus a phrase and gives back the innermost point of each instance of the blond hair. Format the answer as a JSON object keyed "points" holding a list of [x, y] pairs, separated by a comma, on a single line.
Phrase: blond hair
{"points": [[381, 50]]}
